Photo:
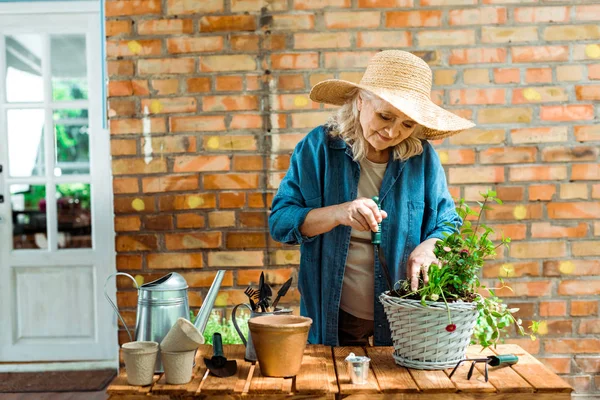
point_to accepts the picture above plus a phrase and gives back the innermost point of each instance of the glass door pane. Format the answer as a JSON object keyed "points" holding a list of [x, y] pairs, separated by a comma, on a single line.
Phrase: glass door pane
{"points": [[28, 204], [71, 142], [74, 215], [68, 67], [24, 82], [26, 142]]}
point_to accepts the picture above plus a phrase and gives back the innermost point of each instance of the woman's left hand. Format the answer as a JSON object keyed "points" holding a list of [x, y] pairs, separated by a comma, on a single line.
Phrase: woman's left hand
{"points": [[419, 261]]}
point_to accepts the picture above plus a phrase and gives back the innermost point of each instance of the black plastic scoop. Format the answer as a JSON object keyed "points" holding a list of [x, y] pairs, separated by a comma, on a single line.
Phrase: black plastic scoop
{"points": [[218, 365]]}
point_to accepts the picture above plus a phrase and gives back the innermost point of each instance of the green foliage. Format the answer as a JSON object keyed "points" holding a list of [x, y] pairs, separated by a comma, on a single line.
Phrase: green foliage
{"points": [[225, 328], [461, 256]]}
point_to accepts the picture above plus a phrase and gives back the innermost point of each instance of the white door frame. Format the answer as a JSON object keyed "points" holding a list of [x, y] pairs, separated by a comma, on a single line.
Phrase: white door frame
{"points": [[61, 17]]}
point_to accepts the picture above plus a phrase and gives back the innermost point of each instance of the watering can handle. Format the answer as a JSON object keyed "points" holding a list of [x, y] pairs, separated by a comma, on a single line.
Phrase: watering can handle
{"points": [[114, 305], [235, 325]]}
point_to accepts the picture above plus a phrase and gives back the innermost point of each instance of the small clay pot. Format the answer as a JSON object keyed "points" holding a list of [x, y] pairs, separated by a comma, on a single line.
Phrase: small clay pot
{"points": [[140, 358], [178, 366], [279, 341], [183, 336]]}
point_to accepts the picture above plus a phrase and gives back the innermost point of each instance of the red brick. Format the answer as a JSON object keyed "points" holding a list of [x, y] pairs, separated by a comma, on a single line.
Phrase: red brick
{"points": [[245, 240], [228, 23], [336, 60], [504, 34], [571, 32], [198, 240], [578, 210], [594, 71], [170, 105], [182, 45], [236, 259], [190, 220], [529, 289], [165, 26], [585, 248], [317, 4], [507, 75], [232, 200], [550, 249], [230, 181], [252, 219], [120, 88], [402, 19], [539, 135], [508, 155], [187, 202], [134, 166], [541, 192], [478, 16], [122, 67], [171, 261], [123, 147], [247, 163], [229, 83], [572, 267], [257, 200], [129, 262], [229, 103], [587, 133], [116, 28], [140, 87], [195, 85], [121, 108], [534, 15], [573, 154], [514, 212], [293, 22], [136, 243], [197, 124], [477, 56], [590, 326], [585, 171], [477, 96], [158, 222], [550, 231], [290, 82], [588, 92], [124, 48], [178, 7], [165, 66], [165, 86], [373, 39], [295, 61], [125, 185], [579, 288], [510, 193], [572, 112], [171, 183], [539, 54], [349, 20], [537, 173], [224, 63], [254, 82], [454, 157], [558, 365], [553, 308], [321, 40], [584, 308], [511, 270], [478, 175], [587, 13], [574, 191], [245, 42], [118, 8], [538, 75], [201, 163], [127, 223], [133, 204]]}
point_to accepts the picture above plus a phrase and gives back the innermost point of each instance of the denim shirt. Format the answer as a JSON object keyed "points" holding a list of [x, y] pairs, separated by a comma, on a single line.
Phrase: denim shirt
{"points": [[322, 173]]}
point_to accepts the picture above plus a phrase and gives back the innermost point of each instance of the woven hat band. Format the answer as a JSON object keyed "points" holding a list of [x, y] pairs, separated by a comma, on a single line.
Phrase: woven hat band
{"points": [[398, 71]]}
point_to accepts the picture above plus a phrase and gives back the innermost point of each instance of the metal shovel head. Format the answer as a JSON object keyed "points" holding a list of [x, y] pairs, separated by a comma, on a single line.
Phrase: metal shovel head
{"points": [[221, 367]]}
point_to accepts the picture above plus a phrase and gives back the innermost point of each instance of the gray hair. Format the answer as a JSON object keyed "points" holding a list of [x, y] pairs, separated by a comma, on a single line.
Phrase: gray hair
{"points": [[346, 125]]}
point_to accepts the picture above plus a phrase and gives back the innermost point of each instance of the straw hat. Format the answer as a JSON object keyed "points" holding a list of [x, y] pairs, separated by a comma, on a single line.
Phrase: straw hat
{"points": [[403, 80]]}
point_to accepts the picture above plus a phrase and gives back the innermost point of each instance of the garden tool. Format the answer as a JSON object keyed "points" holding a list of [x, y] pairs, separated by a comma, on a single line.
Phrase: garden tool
{"points": [[281, 292], [494, 361], [218, 365], [376, 240], [261, 292]]}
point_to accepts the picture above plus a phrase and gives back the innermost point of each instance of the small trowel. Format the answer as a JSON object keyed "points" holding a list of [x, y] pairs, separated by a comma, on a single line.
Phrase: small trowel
{"points": [[218, 365], [376, 240]]}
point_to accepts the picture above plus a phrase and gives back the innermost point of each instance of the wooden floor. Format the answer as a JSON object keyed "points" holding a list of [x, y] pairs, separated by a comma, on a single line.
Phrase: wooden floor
{"points": [[101, 395]]}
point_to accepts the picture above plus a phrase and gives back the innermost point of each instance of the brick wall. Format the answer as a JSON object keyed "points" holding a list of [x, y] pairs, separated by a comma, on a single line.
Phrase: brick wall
{"points": [[208, 98]]}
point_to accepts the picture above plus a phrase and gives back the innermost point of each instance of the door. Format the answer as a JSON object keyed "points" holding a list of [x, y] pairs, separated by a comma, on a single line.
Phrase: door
{"points": [[56, 230]]}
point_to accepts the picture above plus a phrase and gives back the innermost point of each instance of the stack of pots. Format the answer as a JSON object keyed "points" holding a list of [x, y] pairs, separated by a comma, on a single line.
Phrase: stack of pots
{"points": [[178, 349]]}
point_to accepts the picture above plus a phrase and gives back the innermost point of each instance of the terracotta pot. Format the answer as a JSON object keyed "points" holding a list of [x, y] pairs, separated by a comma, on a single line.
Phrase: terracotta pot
{"points": [[140, 358], [279, 341], [178, 366], [183, 336]]}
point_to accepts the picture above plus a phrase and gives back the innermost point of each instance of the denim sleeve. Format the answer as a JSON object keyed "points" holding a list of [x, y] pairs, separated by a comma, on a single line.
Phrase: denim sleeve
{"points": [[289, 208], [440, 199]]}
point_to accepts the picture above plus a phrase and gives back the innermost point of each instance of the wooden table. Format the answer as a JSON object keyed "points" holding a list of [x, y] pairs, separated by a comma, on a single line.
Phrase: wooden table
{"points": [[324, 376]]}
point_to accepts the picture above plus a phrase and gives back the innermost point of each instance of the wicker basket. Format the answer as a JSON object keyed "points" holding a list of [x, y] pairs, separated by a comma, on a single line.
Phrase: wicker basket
{"points": [[419, 333]]}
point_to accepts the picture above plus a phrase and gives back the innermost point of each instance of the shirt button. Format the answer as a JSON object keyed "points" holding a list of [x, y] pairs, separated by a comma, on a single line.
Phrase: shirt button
{"points": [[378, 276], [379, 325]]}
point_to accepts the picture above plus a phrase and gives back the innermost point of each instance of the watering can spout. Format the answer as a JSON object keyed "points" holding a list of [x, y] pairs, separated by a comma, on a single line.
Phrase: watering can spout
{"points": [[209, 302]]}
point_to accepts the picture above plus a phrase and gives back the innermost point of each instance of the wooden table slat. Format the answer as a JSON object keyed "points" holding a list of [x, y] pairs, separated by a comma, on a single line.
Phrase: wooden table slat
{"points": [[432, 381], [317, 374], [345, 384], [231, 384], [392, 378], [119, 385], [533, 371], [504, 378], [477, 383], [260, 384], [162, 387]]}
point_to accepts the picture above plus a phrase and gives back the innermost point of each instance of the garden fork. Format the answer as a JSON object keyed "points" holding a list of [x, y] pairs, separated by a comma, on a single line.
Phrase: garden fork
{"points": [[251, 293]]}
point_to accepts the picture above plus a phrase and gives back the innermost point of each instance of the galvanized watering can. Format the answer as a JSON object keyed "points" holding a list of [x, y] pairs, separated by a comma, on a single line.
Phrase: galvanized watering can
{"points": [[161, 303]]}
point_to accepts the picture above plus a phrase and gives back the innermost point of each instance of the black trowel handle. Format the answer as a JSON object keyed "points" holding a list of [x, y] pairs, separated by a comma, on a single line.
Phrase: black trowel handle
{"points": [[217, 345]]}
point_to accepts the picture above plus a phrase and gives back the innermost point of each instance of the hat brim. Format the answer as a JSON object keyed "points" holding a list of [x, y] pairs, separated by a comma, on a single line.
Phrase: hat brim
{"points": [[437, 122]]}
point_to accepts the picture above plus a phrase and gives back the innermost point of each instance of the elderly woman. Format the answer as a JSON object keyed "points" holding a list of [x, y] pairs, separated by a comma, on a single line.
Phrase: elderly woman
{"points": [[376, 145]]}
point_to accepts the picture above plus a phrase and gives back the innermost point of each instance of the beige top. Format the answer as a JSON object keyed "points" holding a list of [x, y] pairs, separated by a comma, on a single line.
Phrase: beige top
{"points": [[359, 286]]}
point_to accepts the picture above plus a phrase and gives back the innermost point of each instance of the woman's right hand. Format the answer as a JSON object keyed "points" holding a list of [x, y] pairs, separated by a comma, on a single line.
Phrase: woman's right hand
{"points": [[361, 214]]}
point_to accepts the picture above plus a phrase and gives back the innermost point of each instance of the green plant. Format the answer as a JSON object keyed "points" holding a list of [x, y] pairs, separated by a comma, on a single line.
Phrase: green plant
{"points": [[224, 327], [461, 256]]}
